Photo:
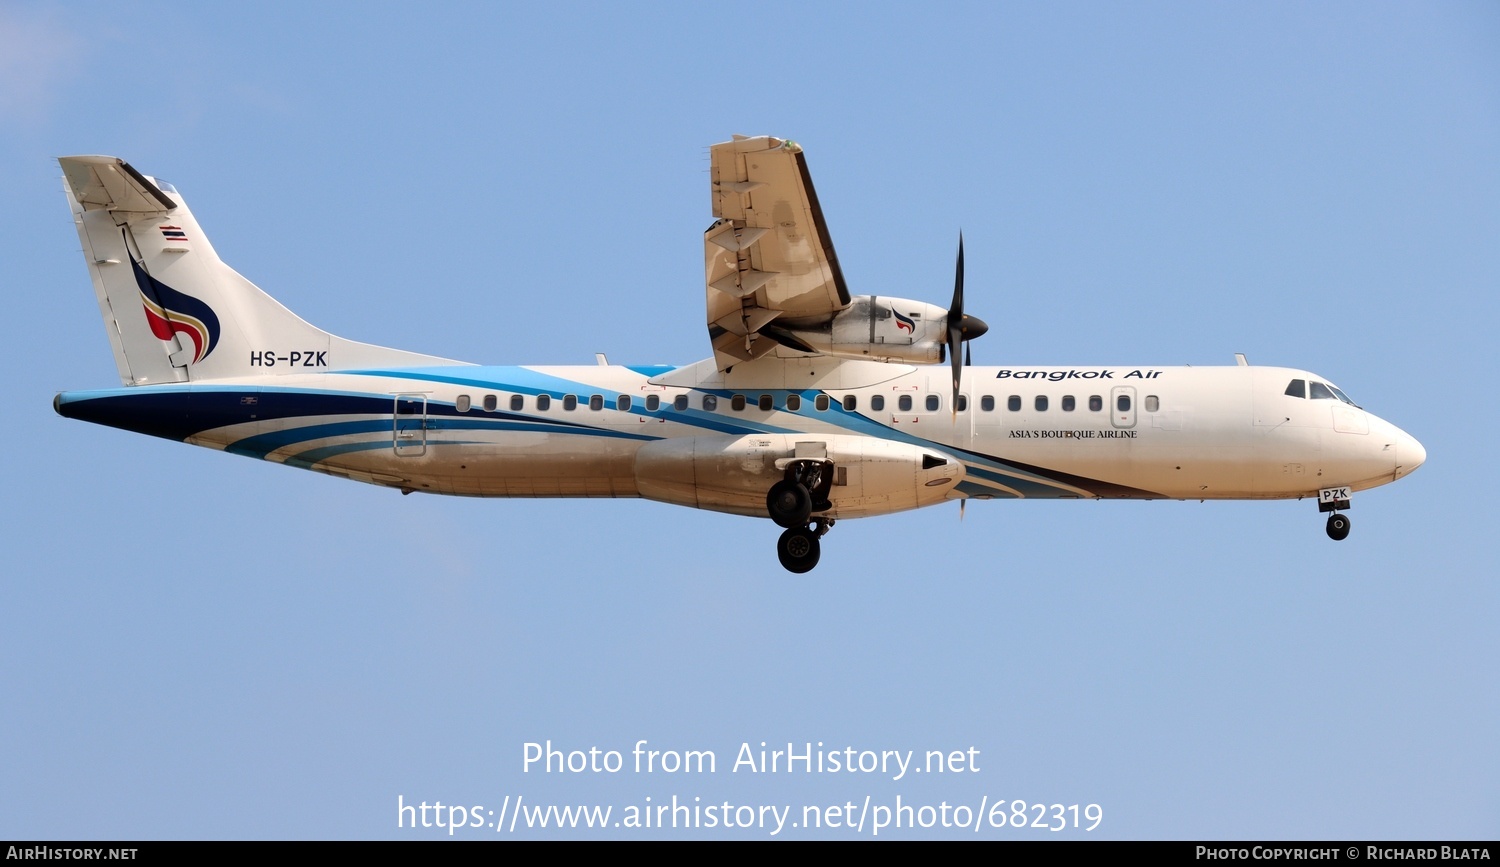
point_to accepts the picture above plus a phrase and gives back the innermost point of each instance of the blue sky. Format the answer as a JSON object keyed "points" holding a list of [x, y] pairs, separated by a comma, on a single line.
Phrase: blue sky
{"points": [[199, 645]]}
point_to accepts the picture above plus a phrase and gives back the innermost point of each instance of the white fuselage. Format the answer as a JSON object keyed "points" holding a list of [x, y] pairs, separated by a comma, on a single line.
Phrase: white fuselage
{"points": [[698, 437]]}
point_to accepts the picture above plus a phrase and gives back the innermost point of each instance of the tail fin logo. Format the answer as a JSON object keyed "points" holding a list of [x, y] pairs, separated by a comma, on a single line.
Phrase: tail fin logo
{"points": [[170, 312]]}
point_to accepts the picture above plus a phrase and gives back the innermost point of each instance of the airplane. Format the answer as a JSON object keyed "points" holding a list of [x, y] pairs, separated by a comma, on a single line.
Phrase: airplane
{"points": [[816, 406]]}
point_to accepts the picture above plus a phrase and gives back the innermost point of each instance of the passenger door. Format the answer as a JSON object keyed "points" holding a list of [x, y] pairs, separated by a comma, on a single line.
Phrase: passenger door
{"points": [[409, 425]]}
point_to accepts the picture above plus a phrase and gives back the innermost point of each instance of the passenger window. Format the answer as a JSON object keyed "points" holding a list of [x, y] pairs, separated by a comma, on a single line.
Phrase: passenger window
{"points": [[679, 403], [710, 402], [1296, 388], [1013, 403], [850, 403], [1122, 403], [903, 403], [1041, 403], [1069, 404], [934, 403], [737, 403], [462, 404], [766, 403], [877, 403], [987, 403], [570, 402], [963, 403], [517, 403], [1096, 403], [653, 403], [1152, 403], [821, 402], [543, 402], [622, 403], [490, 402], [1319, 391], [596, 402], [793, 402]]}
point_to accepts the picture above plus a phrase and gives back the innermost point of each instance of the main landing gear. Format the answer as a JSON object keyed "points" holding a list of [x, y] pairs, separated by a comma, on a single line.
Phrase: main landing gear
{"points": [[1332, 500], [791, 503]]}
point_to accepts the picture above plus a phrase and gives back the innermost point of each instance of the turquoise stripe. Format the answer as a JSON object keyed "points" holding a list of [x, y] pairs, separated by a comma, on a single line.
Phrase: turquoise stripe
{"points": [[521, 380], [974, 489], [530, 382], [306, 459], [260, 445], [1027, 487]]}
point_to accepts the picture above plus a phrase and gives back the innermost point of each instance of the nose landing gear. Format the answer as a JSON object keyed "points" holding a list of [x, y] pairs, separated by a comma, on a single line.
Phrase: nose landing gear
{"points": [[1332, 500]]}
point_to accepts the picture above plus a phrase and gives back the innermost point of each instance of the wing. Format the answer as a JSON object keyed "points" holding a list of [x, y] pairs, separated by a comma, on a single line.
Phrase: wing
{"points": [[768, 255]]}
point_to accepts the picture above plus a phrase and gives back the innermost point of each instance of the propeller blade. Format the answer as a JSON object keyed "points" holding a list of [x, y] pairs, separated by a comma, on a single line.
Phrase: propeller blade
{"points": [[955, 324], [957, 365], [957, 307]]}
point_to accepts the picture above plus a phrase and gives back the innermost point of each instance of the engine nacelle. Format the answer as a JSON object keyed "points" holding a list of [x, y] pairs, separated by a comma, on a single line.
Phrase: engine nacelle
{"points": [[733, 473], [876, 327]]}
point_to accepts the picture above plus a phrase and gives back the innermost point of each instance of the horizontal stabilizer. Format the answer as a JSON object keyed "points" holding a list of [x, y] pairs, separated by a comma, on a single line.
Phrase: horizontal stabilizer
{"points": [[110, 183]]}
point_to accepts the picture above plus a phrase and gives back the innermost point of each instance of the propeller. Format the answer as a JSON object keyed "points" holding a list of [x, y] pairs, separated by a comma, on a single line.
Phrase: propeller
{"points": [[961, 327]]}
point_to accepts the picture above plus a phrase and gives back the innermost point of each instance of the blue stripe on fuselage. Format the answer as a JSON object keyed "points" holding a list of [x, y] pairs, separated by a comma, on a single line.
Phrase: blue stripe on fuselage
{"points": [[181, 411]]}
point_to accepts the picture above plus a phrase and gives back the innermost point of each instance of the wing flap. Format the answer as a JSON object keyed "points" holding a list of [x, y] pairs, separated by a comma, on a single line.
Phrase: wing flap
{"points": [[769, 255]]}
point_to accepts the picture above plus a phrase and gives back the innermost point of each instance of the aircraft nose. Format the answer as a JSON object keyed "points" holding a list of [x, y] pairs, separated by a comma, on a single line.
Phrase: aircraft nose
{"points": [[1409, 454]]}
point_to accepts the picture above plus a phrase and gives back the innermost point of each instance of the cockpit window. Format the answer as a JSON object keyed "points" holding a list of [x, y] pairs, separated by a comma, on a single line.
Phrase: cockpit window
{"points": [[1317, 391], [1344, 397]]}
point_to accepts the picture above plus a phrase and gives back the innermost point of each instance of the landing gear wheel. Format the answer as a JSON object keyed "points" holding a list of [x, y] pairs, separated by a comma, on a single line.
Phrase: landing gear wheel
{"points": [[1338, 527], [789, 504], [798, 549]]}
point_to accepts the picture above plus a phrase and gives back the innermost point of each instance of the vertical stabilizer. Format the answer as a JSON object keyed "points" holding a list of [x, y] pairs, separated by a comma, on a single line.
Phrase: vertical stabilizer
{"points": [[173, 310]]}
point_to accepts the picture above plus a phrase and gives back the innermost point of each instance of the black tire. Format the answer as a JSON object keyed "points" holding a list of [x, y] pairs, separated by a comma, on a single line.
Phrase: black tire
{"points": [[798, 549], [1338, 527], [789, 504]]}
